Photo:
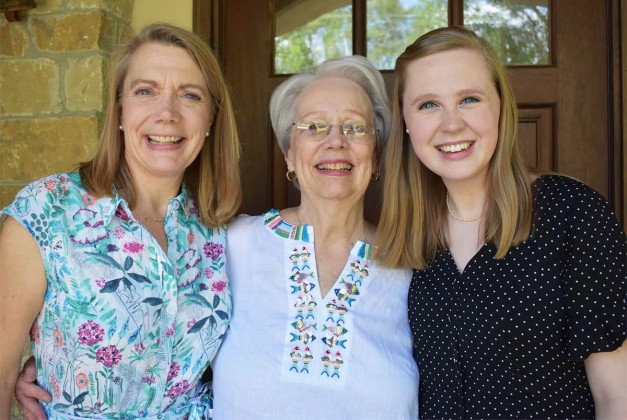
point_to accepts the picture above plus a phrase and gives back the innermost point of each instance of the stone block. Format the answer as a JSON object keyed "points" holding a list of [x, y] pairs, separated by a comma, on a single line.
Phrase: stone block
{"points": [[121, 8], [46, 6], [35, 148], [83, 84], [29, 87], [73, 32], [13, 39]]}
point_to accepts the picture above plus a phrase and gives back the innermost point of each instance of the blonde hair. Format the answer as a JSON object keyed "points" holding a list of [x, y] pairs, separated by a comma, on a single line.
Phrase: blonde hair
{"points": [[213, 178], [413, 218]]}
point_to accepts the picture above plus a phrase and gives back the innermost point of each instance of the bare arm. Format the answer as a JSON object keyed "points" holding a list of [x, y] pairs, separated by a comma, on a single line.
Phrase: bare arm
{"points": [[22, 289], [607, 376]]}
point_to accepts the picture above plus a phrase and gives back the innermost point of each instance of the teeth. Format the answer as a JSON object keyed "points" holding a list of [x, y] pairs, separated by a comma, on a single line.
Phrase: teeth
{"points": [[164, 139], [455, 147], [338, 166]]}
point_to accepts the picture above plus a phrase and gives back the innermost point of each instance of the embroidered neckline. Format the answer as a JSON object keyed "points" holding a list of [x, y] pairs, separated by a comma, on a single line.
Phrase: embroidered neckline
{"points": [[273, 220]]}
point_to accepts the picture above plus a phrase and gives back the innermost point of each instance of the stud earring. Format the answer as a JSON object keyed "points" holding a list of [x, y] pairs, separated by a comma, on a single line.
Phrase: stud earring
{"points": [[407, 130], [207, 134], [121, 129]]}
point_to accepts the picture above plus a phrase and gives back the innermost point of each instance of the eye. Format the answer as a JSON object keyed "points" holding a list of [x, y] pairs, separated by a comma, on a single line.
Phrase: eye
{"points": [[142, 92], [427, 105], [358, 130], [192, 96], [470, 100]]}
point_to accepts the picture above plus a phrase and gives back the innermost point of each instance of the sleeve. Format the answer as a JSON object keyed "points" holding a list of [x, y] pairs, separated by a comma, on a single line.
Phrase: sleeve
{"points": [[31, 208], [594, 276]]}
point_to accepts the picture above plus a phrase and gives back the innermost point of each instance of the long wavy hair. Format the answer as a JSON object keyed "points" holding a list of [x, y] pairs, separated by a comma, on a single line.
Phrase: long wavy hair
{"points": [[213, 178], [413, 219]]}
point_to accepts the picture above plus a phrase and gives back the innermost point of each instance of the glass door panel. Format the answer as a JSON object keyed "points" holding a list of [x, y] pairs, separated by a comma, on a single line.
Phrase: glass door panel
{"points": [[393, 24], [307, 32], [517, 29]]}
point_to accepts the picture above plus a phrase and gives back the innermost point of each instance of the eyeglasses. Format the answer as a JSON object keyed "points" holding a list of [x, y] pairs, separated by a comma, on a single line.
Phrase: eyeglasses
{"points": [[319, 130]]}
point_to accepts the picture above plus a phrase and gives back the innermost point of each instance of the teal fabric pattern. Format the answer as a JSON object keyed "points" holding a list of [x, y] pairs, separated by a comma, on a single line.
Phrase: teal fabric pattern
{"points": [[127, 329]]}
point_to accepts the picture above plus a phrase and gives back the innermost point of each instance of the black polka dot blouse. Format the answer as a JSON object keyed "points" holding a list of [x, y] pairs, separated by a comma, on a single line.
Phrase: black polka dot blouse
{"points": [[507, 338]]}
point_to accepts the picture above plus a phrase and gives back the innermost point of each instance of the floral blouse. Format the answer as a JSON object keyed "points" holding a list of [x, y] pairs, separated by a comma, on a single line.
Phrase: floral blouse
{"points": [[126, 329]]}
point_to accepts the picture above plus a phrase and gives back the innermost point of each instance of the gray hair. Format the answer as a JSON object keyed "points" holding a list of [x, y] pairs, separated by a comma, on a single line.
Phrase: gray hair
{"points": [[355, 68]]}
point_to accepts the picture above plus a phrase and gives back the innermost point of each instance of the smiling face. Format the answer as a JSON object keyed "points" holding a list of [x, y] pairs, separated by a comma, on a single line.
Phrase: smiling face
{"points": [[166, 111], [451, 109], [333, 166]]}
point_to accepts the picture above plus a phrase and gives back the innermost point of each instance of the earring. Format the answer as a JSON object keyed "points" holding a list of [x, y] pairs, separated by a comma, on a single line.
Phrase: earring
{"points": [[407, 130], [121, 129], [207, 134], [290, 175], [375, 176]]}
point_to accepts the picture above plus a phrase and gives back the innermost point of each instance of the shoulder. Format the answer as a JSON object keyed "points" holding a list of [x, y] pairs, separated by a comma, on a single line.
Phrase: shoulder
{"points": [[558, 191], [400, 275], [244, 222], [45, 193]]}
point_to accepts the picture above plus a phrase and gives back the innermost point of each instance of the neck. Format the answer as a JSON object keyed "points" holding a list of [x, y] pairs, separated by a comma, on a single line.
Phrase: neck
{"points": [[334, 220], [152, 198], [466, 200]]}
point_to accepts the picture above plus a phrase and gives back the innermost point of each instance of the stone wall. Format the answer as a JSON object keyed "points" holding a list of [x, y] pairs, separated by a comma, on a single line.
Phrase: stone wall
{"points": [[52, 63]]}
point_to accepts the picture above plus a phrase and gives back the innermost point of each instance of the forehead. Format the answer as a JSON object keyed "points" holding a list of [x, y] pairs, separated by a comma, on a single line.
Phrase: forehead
{"points": [[333, 95], [462, 65], [154, 60]]}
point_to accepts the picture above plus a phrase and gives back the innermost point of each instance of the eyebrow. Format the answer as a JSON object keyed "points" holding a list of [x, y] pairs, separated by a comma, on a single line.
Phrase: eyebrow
{"points": [[431, 96], [201, 88]]}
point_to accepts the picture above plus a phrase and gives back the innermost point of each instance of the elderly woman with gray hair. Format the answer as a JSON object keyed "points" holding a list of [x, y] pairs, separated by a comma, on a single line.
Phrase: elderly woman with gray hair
{"points": [[318, 330]]}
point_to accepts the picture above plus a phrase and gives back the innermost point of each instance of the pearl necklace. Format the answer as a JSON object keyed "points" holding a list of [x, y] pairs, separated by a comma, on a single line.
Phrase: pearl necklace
{"points": [[461, 219]]}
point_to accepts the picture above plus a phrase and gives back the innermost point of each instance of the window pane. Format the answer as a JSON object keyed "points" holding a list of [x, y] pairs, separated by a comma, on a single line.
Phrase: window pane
{"points": [[307, 32], [517, 29], [394, 24]]}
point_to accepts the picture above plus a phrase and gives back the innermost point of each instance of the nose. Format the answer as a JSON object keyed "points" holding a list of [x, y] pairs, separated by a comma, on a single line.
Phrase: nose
{"points": [[167, 109], [335, 138], [452, 120]]}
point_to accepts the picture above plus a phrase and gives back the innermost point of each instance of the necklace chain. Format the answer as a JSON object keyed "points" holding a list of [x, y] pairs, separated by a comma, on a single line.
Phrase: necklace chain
{"points": [[461, 219]]}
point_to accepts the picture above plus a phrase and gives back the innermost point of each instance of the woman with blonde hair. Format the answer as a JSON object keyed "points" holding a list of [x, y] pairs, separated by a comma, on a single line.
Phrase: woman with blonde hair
{"points": [[118, 270], [517, 302]]}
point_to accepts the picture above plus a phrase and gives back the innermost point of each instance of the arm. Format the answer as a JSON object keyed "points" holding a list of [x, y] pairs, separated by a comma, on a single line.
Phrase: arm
{"points": [[22, 289], [28, 392], [607, 376]]}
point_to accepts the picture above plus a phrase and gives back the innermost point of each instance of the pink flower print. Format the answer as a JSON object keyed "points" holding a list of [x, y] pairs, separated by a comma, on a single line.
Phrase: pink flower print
{"points": [[213, 250], [178, 389], [35, 334], [190, 323], [121, 213], [170, 331], [88, 199], [133, 247], [119, 232], [208, 273], [174, 371], [149, 379], [51, 184], [81, 380], [218, 286], [108, 356], [139, 348], [90, 333], [190, 238], [54, 384], [101, 282], [58, 338]]}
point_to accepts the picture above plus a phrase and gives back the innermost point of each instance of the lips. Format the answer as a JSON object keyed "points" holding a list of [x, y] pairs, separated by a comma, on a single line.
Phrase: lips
{"points": [[335, 166], [454, 148], [164, 139]]}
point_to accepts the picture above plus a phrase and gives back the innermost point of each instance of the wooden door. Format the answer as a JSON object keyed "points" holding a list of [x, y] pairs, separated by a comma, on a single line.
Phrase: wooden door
{"points": [[570, 110]]}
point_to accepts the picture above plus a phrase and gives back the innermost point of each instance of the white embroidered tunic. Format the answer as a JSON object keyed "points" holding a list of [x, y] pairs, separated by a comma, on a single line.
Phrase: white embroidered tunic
{"points": [[294, 354]]}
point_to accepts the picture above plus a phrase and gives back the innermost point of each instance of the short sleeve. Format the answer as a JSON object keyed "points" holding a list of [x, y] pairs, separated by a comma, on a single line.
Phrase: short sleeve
{"points": [[31, 207], [594, 276]]}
